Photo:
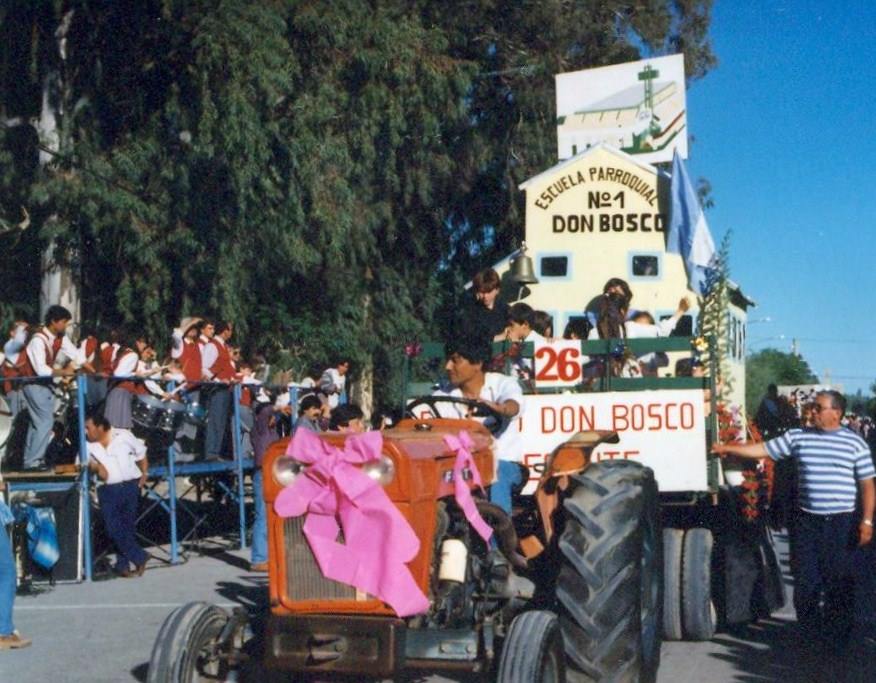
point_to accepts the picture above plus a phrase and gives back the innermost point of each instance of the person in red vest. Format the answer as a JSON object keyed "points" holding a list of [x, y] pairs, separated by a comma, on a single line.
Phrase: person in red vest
{"points": [[219, 369], [206, 334], [12, 351], [38, 361], [187, 350], [89, 354], [122, 388]]}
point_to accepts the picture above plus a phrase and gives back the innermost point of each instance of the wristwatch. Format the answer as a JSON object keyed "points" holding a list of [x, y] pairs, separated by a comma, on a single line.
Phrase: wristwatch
{"points": [[868, 522]]}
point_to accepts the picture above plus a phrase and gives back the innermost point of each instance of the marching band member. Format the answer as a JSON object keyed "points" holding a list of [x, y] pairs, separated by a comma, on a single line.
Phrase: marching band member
{"points": [[122, 388], [186, 349], [218, 368], [38, 361], [248, 389], [206, 334], [12, 350]]}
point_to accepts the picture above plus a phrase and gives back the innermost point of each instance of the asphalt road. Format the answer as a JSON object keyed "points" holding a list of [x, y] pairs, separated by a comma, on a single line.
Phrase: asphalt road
{"points": [[104, 631]]}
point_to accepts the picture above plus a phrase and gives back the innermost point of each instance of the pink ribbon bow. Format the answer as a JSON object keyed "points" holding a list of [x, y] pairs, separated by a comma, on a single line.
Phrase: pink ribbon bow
{"points": [[462, 445], [378, 540]]}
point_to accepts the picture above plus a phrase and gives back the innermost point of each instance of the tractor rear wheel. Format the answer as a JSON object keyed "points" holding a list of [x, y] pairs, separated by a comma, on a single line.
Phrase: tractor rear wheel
{"points": [[673, 544], [698, 609], [185, 650], [610, 584], [533, 650]]}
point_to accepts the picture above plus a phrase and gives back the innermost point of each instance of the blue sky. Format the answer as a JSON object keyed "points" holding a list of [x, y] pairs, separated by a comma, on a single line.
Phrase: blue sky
{"points": [[785, 131]]}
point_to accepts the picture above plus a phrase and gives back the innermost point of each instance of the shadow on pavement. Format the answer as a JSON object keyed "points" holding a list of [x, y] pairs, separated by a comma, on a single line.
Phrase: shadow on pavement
{"points": [[774, 650], [139, 672]]}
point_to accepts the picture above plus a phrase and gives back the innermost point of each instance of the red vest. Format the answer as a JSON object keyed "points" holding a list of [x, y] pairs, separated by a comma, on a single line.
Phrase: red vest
{"points": [[223, 368], [191, 361], [23, 365], [90, 349], [246, 395], [107, 356], [128, 385]]}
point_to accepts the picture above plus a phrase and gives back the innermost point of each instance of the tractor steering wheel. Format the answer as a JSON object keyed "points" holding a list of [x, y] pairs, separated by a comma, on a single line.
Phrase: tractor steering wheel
{"points": [[493, 420]]}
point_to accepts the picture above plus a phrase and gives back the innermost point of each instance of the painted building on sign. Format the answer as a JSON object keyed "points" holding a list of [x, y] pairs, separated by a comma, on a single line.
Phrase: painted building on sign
{"points": [[638, 107], [603, 214]]}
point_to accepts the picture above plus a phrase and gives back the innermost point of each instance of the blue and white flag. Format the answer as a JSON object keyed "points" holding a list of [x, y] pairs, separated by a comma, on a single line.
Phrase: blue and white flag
{"points": [[688, 231]]}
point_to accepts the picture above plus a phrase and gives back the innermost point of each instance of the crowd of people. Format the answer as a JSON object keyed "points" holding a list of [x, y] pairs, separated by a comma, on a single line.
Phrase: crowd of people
{"points": [[608, 316], [119, 368], [200, 370]]}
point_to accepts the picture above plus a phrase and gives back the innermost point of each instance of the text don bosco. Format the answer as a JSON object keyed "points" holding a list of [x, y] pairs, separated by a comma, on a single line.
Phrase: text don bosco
{"points": [[617, 417]]}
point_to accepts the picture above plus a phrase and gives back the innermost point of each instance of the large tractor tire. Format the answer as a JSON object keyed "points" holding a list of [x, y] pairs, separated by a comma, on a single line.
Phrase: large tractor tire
{"points": [[699, 616], [533, 650], [610, 583], [673, 546], [184, 651]]}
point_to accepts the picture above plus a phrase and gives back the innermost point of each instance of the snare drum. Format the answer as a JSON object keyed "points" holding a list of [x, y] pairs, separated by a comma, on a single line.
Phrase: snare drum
{"points": [[196, 414], [172, 416], [147, 411]]}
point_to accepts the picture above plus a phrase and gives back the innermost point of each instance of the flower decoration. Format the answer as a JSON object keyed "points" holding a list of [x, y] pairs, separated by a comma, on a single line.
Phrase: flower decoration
{"points": [[413, 349]]}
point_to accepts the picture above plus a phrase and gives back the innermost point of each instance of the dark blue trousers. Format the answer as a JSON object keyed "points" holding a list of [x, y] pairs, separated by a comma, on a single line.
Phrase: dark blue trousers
{"points": [[217, 421], [865, 588], [824, 548], [118, 504]]}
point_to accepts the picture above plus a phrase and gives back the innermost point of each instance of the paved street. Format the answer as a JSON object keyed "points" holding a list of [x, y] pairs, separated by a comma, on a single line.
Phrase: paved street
{"points": [[103, 631]]}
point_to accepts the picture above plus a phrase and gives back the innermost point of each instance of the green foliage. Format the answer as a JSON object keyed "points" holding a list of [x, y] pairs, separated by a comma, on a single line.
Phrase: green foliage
{"points": [[771, 366], [322, 173]]}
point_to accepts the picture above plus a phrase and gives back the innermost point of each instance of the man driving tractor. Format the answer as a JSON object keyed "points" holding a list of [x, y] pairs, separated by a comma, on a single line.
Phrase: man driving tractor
{"points": [[466, 359]]}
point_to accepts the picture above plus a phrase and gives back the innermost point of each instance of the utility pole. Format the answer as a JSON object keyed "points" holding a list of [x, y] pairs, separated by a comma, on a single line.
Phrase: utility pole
{"points": [[794, 348]]}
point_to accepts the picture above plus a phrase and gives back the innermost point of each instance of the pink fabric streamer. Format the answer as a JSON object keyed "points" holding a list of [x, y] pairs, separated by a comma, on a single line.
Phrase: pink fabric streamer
{"points": [[462, 445], [378, 540]]}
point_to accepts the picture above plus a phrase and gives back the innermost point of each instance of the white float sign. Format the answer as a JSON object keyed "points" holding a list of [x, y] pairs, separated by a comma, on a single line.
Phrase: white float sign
{"points": [[664, 430]]}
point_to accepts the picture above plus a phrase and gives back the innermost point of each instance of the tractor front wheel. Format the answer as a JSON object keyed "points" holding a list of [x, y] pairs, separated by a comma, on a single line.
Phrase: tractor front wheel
{"points": [[610, 583], [186, 649], [533, 650]]}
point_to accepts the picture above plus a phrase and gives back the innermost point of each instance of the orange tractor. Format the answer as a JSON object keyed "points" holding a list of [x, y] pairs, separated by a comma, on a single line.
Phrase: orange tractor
{"points": [[569, 588]]}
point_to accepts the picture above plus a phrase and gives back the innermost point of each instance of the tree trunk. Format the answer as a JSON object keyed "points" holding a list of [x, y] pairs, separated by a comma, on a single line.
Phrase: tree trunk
{"points": [[58, 285], [362, 391]]}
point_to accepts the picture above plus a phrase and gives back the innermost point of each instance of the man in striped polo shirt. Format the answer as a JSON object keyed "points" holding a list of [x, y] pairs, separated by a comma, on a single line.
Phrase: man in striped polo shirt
{"points": [[833, 466]]}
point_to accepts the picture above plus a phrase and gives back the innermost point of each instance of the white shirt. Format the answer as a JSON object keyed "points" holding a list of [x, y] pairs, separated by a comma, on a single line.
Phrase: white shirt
{"points": [[120, 458], [332, 384], [176, 343], [636, 330], [36, 351], [209, 354], [128, 365], [16, 343], [498, 388]]}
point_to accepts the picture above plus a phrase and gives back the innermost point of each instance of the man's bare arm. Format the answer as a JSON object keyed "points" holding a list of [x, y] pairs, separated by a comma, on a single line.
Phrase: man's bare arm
{"points": [[868, 503], [751, 451]]}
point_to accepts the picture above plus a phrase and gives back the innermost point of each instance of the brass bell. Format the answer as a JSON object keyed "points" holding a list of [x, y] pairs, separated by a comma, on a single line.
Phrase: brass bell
{"points": [[522, 270]]}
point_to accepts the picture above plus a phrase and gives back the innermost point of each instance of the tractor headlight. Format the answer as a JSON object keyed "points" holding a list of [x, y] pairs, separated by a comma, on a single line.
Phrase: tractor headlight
{"points": [[286, 470], [382, 471]]}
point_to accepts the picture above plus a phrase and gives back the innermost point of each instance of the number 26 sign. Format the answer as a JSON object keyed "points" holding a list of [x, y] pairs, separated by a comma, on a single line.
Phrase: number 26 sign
{"points": [[558, 363]]}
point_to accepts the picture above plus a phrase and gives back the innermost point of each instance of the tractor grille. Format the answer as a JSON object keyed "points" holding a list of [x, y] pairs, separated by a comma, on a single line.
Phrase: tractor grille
{"points": [[304, 580]]}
